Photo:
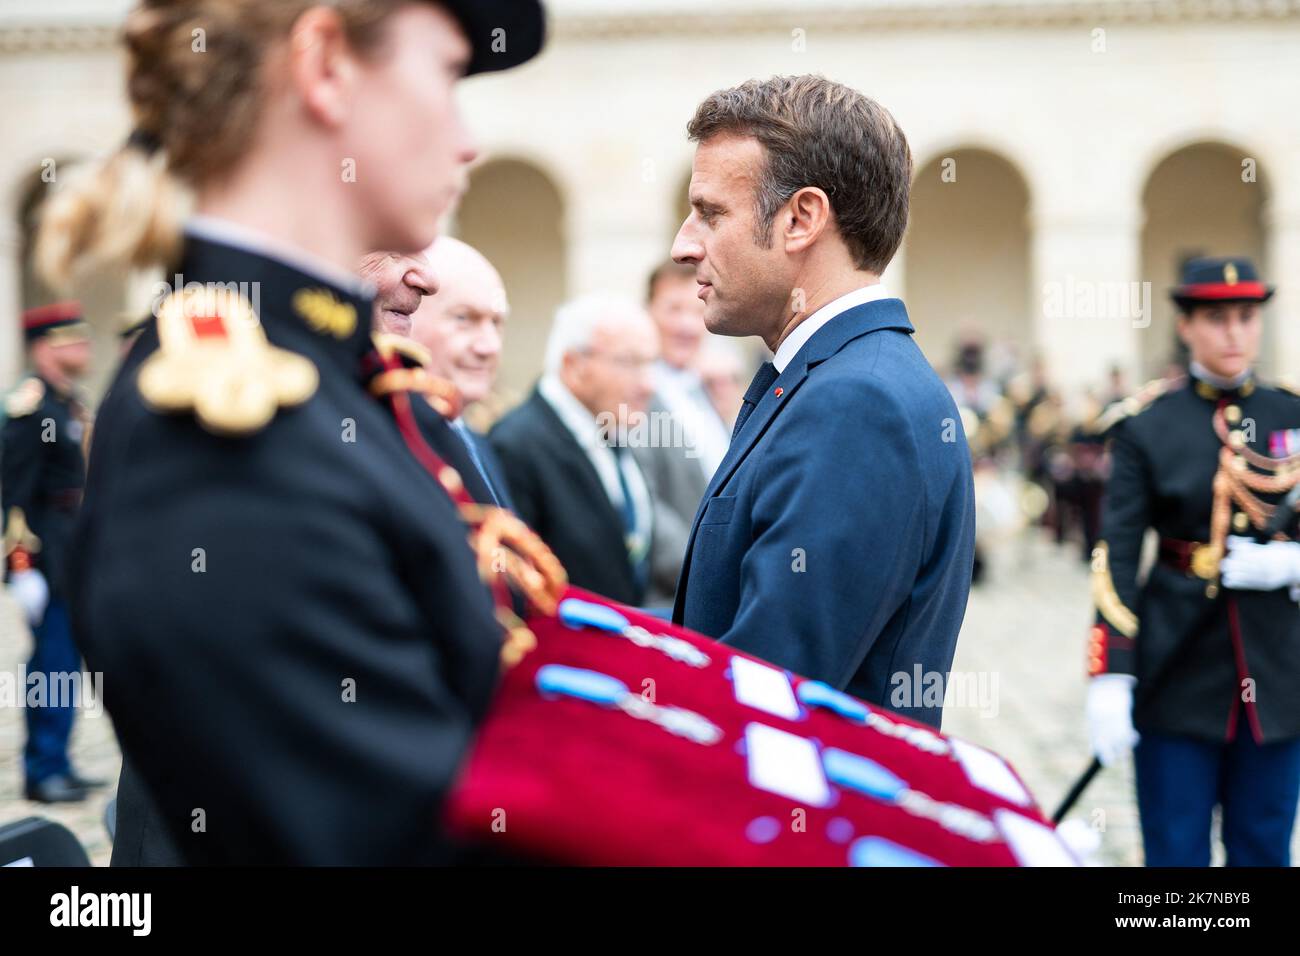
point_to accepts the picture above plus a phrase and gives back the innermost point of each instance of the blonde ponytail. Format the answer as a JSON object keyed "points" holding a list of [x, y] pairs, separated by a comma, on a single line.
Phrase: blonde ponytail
{"points": [[124, 211], [193, 114]]}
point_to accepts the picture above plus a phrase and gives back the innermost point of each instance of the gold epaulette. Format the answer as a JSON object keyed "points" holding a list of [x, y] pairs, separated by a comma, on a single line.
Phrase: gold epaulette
{"points": [[26, 398], [1136, 403], [213, 359]]}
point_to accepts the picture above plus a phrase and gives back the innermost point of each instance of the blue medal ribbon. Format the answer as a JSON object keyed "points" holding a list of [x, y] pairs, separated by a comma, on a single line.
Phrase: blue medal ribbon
{"points": [[559, 680]]}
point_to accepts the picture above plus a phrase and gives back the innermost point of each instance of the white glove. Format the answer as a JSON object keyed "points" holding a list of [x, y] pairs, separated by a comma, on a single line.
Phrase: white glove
{"points": [[32, 593], [1110, 716], [1250, 566]]}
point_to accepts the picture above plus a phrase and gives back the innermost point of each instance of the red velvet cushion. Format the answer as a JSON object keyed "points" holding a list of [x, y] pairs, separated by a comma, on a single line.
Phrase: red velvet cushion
{"points": [[568, 781]]}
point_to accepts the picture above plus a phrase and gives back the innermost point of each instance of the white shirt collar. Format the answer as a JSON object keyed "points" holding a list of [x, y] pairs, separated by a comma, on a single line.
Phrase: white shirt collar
{"points": [[787, 350], [575, 416], [584, 427], [667, 376], [1226, 384], [228, 233]]}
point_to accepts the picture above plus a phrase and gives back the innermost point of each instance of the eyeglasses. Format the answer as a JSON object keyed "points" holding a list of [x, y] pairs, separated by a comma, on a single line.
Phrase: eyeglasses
{"points": [[629, 363]]}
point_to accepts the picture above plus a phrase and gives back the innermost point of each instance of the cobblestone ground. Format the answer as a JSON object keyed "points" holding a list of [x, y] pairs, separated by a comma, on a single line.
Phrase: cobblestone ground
{"points": [[1027, 627], [1025, 634], [94, 751], [1024, 638]]}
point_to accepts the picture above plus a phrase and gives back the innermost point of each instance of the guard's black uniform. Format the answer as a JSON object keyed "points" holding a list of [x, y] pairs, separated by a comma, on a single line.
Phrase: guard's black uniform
{"points": [[41, 481], [1217, 696], [1199, 648], [294, 639], [44, 470]]}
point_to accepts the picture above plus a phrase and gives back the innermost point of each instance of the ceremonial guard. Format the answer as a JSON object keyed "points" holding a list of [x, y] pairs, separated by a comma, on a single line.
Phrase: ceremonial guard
{"points": [[299, 612], [46, 429], [1199, 665]]}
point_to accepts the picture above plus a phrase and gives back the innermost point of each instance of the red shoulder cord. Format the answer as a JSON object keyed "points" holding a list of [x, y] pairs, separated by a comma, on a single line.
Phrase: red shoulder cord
{"points": [[506, 550]]}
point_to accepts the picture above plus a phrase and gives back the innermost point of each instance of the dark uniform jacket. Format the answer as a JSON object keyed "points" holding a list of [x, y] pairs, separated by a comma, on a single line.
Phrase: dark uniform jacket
{"points": [[44, 471], [1198, 650], [294, 640]]}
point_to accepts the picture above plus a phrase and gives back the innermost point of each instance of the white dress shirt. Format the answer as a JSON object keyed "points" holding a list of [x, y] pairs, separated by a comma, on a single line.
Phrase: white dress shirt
{"points": [[681, 392], [582, 425], [796, 340]]}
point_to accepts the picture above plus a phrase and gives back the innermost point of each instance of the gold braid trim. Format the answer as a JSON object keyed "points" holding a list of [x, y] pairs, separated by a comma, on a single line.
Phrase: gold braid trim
{"points": [[1263, 462], [1106, 598], [503, 544], [1235, 481], [439, 393]]}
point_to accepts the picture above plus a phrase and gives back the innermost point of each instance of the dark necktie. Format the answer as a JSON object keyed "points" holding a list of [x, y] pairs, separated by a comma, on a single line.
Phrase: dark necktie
{"points": [[629, 506], [641, 566], [763, 380]]}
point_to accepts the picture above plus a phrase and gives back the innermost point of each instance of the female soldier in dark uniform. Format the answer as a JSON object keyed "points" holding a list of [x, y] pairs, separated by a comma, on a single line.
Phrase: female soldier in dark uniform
{"points": [[1200, 665], [269, 571]]}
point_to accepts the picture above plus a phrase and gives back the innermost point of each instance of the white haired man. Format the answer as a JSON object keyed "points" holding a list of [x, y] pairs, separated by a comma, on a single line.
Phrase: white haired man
{"points": [[570, 478], [462, 325]]}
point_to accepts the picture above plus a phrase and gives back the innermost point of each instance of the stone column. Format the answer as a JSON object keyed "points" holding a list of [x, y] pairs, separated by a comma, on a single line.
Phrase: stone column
{"points": [[1090, 304]]}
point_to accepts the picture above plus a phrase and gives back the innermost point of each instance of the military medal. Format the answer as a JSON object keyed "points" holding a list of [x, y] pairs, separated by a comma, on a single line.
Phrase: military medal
{"points": [[576, 613], [558, 680], [815, 693], [864, 776], [875, 851]]}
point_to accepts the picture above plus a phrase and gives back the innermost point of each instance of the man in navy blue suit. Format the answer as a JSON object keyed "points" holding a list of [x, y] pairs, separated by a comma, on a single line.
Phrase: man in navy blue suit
{"points": [[836, 538]]}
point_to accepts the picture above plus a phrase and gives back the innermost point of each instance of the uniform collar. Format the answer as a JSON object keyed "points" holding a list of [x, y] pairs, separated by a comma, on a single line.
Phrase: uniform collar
{"points": [[238, 236], [65, 395], [316, 309], [1211, 387]]}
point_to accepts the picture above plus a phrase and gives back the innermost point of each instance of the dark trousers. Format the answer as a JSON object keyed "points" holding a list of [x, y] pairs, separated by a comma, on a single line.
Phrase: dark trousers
{"points": [[49, 727], [1181, 779]]}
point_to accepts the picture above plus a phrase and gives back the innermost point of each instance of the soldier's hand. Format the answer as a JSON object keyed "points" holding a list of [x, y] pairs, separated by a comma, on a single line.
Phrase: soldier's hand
{"points": [[1251, 566], [1110, 716], [32, 593]]}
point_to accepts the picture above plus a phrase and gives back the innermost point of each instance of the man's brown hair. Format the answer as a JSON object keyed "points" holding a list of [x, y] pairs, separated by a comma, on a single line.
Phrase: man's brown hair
{"points": [[665, 270], [815, 132]]}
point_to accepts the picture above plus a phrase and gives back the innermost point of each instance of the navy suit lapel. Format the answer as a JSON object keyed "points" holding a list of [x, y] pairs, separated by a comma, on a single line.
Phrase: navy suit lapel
{"points": [[829, 339], [763, 413], [825, 342]]}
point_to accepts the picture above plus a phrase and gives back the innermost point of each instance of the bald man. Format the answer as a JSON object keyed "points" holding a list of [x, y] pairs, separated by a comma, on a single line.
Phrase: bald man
{"points": [[402, 283], [462, 325]]}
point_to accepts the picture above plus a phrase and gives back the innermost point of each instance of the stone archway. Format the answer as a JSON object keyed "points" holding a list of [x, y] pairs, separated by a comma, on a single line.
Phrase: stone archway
{"points": [[1207, 198]]}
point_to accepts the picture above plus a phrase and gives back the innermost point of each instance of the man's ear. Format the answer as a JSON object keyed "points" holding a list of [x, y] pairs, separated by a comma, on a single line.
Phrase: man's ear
{"points": [[322, 65], [1184, 320], [806, 216], [569, 364]]}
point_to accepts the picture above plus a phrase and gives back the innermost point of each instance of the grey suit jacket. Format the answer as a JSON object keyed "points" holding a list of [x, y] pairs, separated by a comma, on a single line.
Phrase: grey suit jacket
{"points": [[676, 484]]}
